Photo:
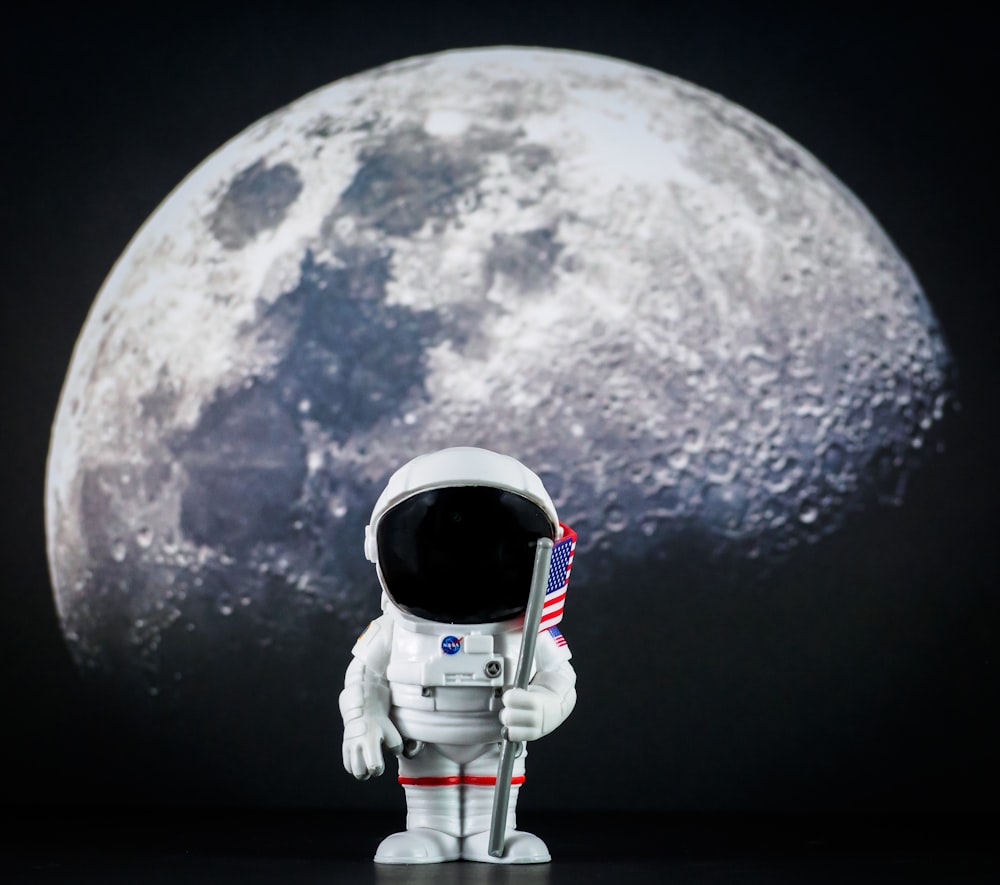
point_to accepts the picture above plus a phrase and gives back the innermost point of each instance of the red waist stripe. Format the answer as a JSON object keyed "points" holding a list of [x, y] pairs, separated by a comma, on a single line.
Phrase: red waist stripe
{"points": [[472, 780], [476, 780]]}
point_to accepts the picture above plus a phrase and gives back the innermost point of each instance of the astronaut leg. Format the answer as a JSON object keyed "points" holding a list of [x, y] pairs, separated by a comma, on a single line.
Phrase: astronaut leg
{"points": [[478, 783], [433, 812]]}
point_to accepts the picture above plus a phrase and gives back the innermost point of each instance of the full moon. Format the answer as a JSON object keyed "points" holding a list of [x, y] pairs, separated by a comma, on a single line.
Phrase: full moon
{"points": [[668, 309]]}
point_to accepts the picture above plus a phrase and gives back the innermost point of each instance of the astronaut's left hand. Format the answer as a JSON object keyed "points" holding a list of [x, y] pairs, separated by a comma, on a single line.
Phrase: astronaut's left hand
{"points": [[523, 713]]}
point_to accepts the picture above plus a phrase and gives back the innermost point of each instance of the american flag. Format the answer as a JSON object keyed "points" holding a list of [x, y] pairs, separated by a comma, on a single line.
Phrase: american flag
{"points": [[556, 634], [559, 569]]}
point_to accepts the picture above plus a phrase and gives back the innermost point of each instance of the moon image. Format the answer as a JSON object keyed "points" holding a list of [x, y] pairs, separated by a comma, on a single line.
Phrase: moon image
{"points": [[677, 316]]}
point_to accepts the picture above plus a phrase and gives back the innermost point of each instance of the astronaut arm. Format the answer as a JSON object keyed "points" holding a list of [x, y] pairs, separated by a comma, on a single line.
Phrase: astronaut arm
{"points": [[364, 705], [548, 700]]}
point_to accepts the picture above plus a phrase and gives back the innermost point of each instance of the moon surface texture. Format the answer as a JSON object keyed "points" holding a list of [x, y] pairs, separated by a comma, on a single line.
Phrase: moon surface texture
{"points": [[672, 312]]}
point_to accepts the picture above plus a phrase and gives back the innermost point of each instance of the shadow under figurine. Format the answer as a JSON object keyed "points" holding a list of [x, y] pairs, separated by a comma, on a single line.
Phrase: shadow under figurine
{"points": [[461, 540]]}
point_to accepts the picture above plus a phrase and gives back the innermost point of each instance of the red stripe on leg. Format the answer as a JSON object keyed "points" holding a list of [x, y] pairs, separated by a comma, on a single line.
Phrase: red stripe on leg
{"points": [[485, 780], [452, 780]]}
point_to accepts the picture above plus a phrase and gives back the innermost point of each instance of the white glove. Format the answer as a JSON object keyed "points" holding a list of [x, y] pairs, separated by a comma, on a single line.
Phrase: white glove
{"points": [[542, 707], [363, 741], [524, 714]]}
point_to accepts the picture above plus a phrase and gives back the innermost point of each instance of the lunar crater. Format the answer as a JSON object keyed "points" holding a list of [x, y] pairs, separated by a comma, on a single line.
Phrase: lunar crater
{"points": [[257, 200], [700, 338], [526, 258], [410, 178]]}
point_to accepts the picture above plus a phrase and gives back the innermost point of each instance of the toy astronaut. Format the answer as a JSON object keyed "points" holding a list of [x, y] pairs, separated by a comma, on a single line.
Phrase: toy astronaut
{"points": [[452, 538]]}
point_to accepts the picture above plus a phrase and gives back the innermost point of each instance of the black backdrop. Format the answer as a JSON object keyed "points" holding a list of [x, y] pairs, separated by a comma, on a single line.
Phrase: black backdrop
{"points": [[104, 113]]}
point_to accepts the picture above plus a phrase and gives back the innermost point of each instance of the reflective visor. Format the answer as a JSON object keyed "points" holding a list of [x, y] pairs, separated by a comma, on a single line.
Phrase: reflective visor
{"points": [[461, 555]]}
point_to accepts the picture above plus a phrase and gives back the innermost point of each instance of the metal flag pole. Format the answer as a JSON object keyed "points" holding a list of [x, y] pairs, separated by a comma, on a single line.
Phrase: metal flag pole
{"points": [[525, 658]]}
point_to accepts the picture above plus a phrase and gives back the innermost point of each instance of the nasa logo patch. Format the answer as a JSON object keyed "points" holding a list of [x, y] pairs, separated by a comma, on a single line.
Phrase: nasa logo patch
{"points": [[451, 644]]}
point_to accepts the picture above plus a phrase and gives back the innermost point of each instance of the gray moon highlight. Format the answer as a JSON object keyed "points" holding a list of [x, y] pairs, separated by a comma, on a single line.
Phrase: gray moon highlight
{"points": [[667, 308]]}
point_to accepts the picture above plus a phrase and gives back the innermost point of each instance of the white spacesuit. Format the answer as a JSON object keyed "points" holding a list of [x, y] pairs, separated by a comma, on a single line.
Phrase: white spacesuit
{"points": [[453, 537]]}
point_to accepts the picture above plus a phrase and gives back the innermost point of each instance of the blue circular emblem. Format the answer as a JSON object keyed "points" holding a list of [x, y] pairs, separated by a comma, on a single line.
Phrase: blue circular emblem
{"points": [[450, 645]]}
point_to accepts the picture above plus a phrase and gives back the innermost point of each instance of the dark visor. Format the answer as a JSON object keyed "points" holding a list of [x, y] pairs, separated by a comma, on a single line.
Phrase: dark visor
{"points": [[461, 555]]}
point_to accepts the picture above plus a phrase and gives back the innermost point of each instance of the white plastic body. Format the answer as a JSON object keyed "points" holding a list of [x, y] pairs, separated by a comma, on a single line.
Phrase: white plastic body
{"points": [[455, 699], [440, 695]]}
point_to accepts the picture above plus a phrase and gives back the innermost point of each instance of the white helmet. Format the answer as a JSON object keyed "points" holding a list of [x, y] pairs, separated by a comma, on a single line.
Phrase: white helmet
{"points": [[453, 534]]}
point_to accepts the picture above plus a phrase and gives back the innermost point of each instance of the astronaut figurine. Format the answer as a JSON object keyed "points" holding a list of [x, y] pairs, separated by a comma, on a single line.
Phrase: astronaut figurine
{"points": [[452, 538]]}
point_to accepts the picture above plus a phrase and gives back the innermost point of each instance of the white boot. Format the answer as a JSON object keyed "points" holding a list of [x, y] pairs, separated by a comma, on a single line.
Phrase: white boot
{"points": [[419, 845], [433, 821], [518, 847]]}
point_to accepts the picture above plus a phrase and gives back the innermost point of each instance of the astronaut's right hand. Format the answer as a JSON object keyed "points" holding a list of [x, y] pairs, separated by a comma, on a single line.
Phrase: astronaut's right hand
{"points": [[364, 738]]}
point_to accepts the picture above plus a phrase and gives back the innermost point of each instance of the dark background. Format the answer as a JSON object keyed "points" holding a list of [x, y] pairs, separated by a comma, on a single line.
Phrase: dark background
{"points": [[892, 704]]}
